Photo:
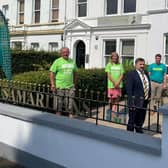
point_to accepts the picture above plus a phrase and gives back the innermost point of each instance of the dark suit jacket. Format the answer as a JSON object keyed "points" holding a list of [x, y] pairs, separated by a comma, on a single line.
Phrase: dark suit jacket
{"points": [[134, 89]]}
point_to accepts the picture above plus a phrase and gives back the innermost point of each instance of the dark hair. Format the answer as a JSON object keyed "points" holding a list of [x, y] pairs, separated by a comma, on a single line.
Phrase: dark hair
{"points": [[139, 60], [158, 55]]}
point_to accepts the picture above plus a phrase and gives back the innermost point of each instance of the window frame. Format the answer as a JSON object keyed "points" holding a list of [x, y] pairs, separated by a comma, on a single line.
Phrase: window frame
{"points": [[118, 48], [166, 52], [77, 8], [20, 12], [17, 45], [33, 47], [122, 56], [105, 57], [54, 9], [111, 13], [51, 48], [166, 4], [35, 11], [123, 9]]}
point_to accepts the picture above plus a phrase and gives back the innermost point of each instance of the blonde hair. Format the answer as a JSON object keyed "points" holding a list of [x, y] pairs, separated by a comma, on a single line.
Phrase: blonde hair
{"points": [[115, 53]]}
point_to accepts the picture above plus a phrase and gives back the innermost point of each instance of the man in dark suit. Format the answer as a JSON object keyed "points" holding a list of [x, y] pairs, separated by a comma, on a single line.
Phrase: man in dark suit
{"points": [[138, 90]]}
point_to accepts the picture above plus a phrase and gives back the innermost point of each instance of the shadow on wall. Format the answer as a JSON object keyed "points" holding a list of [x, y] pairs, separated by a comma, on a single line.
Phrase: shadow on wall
{"points": [[34, 147]]}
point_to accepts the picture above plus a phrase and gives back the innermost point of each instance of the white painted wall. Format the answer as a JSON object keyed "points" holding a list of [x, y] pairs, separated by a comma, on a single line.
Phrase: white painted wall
{"points": [[156, 4], [148, 42], [45, 40], [159, 26], [74, 151]]}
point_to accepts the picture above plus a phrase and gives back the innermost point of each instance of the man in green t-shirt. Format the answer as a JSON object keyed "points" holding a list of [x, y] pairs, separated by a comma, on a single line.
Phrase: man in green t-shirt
{"points": [[62, 80], [157, 73]]}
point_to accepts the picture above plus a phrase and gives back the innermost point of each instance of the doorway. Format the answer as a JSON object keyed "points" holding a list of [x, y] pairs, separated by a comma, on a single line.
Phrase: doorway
{"points": [[80, 54]]}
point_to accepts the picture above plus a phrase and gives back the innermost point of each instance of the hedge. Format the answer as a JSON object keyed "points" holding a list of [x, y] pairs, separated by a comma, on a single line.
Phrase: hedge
{"points": [[91, 79], [29, 60]]}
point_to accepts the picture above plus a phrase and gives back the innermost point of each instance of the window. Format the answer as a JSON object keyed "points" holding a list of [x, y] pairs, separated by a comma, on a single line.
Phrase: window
{"points": [[35, 46], [53, 46], [129, 6], [5, 10], [82, 8], [54, 10], [36, 14], [110, 46], [21, 11], [17, 45], [127, 50], [111, 7], [166, 50], [166, 3]]}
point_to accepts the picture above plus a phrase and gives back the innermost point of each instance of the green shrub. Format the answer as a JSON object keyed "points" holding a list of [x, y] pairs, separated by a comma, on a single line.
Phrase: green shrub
{"points": [[24, 61], [39, 77], [2, 74], [88, 79], [92, 79]]}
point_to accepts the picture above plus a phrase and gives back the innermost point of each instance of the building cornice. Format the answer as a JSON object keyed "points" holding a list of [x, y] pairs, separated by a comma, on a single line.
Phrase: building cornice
{"points": [[124, 27], [36, 32], [159, 11], [38, 24], [121, 27]]}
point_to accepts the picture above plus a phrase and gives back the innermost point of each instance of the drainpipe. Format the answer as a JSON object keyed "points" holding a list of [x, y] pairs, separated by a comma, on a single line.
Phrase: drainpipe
{"points": [[65, 22]]}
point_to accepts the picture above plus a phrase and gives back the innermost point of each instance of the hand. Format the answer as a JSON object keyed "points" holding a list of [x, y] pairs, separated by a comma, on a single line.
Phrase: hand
{"points": [[116, 85], [53, 88], [152, 113], [164, 86]]}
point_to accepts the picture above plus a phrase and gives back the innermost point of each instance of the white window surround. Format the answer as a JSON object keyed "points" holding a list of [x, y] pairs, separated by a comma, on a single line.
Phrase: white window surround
{"points": [[166, 4], [128, 5], [127, 50], [35, 46], [52, 46], [20, 13], [110, 50], [16, 45], [107, 5], [166, 48], [52, 10], [119, 46], [36, 12], [77, 7], [120, 9]]}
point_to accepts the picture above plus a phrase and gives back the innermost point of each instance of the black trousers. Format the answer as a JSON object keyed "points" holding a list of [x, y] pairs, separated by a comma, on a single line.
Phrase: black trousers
{"points": [[137, 117]]}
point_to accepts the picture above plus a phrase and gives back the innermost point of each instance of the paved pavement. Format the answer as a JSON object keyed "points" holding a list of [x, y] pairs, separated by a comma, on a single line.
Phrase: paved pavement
{"points": [[152, 117]]}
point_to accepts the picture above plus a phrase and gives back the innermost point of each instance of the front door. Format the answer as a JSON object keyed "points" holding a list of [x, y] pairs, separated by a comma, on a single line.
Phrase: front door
{"points": [[80, 54]]}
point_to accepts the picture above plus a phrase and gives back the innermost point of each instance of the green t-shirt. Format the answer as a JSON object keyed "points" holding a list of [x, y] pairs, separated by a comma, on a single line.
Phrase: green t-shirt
{"points": [[157, 72], [115, 70], [64, 72]]}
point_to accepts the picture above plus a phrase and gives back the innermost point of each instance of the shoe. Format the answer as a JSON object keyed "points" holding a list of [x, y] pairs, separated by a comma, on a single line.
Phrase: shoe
{"points": [[155, 107], [139, 131]]}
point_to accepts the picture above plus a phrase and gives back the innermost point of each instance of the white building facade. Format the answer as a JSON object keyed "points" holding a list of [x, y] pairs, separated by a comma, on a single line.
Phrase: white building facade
{"points": [[92, 29]]}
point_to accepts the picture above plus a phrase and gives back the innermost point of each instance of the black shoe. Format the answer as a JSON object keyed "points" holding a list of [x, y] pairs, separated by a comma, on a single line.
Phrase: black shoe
{"points": [[139, 131], [130, 129]]}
